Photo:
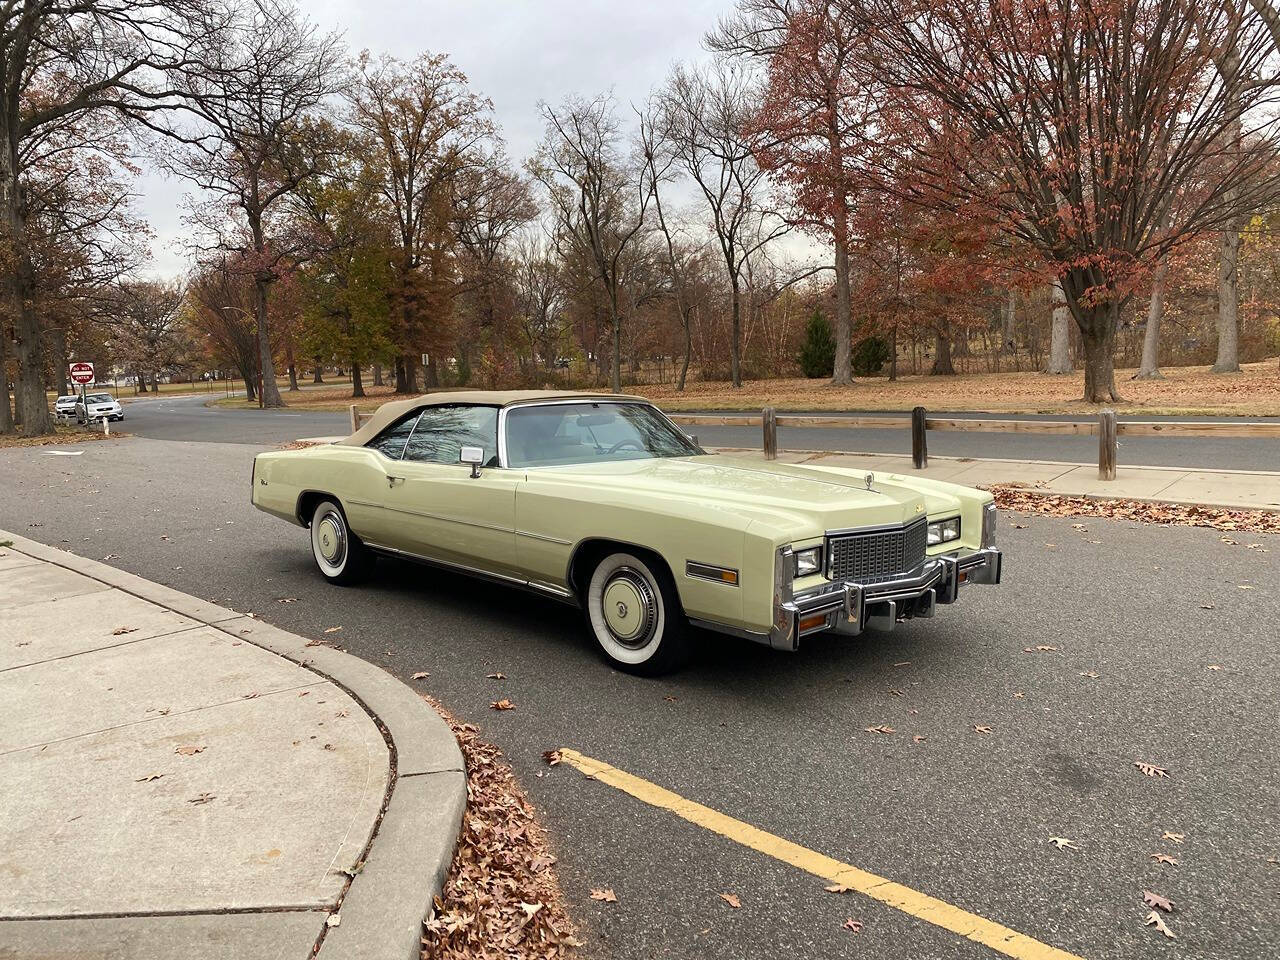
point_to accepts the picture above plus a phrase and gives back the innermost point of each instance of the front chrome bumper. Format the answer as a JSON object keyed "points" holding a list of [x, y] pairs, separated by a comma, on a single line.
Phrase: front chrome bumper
{"points": [[849, 608]]}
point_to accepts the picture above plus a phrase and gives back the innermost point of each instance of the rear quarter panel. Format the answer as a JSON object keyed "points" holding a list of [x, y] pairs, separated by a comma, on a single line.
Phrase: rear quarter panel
{"points": [[351, 474]]}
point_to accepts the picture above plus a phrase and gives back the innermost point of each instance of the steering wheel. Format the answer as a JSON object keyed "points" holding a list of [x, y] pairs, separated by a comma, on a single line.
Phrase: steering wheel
{"points": [[624, 443]]}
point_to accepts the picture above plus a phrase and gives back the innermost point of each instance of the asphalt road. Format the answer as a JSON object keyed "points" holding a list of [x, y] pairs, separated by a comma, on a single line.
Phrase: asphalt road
{"points": [[1186, 662], [188, 419]]}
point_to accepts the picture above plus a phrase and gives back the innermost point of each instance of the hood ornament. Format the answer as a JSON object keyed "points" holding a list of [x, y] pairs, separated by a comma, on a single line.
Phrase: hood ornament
{"points": [[869, 479]]}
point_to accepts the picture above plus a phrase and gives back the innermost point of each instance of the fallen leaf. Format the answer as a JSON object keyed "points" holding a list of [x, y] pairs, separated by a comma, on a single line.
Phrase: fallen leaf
{"points": [[121, 631], [669, 698], [286, 599], [1090, 674], [1019, 695], [731, 900], [1154, 920], [895, 693], [1228, 540], [1155, 900], [1174, 837], [552, 757], [1062, 843], [503, 704], [903, 663], [854, 925], [882, 728], [249, 696], [189, 751], [837, 888], [1078, 526], [1043, 647], [332, 629], [149, 777], [1150, 769], [202, 798], [1164, 858], [607, 895], [917, 739], [1207, 606], [977, 728], [333, 920], [420, 675], [531, 909], [112, 556], [1244, 586], [495, 676]]}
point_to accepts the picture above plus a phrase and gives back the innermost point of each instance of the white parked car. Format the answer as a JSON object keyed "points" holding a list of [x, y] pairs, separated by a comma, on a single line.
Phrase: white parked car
{"points": [[65, 406], [98, 406]]}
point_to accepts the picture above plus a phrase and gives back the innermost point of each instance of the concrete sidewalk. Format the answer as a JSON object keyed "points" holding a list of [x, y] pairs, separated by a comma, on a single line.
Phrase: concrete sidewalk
{"points": [[181, 781], [1232, 489]]}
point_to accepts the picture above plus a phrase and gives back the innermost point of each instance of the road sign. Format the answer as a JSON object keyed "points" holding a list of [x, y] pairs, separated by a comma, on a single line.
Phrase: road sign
{"points": [[81, 372]]}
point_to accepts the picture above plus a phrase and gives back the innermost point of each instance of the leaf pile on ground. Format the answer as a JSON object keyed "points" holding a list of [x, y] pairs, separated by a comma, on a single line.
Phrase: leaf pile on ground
{"points": [[62, 434], [501, 900], [1026, 500], [1185, 391]]}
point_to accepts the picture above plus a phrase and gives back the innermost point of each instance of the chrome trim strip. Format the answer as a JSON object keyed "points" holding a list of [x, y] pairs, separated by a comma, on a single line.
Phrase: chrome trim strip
{"points": [[739, 632], [559, 593], [540, 536], [881, 528], [363, 503]]}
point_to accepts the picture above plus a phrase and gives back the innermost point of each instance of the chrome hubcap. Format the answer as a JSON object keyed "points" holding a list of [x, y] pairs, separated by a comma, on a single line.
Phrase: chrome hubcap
{"points": [[629, 607], [330, 539]]}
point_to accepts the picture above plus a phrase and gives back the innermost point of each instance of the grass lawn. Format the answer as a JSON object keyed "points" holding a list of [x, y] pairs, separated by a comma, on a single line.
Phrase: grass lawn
{"points": [[1186, 391]]}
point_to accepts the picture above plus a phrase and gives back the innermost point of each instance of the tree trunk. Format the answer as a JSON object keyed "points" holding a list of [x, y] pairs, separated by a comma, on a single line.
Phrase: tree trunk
{"points": [[1098, 334], [1150, 367], [942, 365], [1060, 334], [843, 374], [616, 366], [431, 374], [377, 375], [6, 412], [688, 350], [266, 368], [19, 292], [357, 385], [316, 377], [893, 353], [293, 377], [1228, 302], [1009, 341], [735, 347], [402, 381], [141, 380]]}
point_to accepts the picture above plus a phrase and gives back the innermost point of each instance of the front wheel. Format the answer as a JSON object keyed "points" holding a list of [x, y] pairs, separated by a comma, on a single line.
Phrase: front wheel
{"points": [[339, 554], [635, 615]]}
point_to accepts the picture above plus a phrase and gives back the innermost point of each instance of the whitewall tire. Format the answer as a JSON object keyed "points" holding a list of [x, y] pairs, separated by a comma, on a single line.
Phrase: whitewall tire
{"points": [[339, 554], [635, 615]]}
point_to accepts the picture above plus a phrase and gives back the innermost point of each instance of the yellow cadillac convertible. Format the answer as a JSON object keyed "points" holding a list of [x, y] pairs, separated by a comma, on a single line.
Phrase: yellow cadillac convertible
{"points": [[601, 501]]}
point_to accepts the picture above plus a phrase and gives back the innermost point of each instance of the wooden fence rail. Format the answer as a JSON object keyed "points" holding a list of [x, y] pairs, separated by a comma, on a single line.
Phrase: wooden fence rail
{"points": [[1106, 427]]}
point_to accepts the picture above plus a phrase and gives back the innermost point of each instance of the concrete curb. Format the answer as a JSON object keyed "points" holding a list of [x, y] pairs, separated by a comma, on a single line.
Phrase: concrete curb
{"points": [[411, 848]]}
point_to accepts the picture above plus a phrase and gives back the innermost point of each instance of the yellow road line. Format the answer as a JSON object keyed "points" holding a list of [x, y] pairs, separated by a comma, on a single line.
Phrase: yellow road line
{"points": [[994, 935]]}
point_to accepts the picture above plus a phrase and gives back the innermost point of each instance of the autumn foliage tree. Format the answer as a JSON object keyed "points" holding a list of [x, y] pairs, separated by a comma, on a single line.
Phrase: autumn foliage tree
{"points": [[1072, 125]]}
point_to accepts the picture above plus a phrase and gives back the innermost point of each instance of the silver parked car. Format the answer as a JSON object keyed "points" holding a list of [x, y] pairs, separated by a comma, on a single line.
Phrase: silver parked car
{"points": [[98, 406], [65, 406]]}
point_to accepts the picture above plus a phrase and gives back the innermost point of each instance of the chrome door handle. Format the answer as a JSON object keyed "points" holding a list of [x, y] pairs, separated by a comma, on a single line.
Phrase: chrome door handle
{"points": [[391, 481]]}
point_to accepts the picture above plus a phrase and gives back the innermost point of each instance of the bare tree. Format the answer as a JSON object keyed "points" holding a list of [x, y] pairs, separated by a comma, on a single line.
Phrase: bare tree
{"points": [[218, 310], [598, 204], [539, 287], [71, 61], [706, 112], [255, 137]]}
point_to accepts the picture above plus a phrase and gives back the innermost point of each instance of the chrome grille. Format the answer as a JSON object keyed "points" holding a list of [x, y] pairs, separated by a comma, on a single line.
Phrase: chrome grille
{"points": [[877, 555]]}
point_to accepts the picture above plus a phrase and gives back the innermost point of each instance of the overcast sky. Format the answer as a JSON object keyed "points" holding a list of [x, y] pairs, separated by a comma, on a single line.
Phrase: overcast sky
{"points": [[515, 52]]}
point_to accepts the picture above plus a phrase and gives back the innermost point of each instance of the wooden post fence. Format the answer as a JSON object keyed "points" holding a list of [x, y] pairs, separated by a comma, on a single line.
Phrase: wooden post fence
{"points": [[919, 444], [769, 417], [1107, 445]]}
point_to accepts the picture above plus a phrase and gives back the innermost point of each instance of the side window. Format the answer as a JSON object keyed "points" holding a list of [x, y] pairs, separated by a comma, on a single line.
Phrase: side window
{"points": [[391, 441], [442, 432]]}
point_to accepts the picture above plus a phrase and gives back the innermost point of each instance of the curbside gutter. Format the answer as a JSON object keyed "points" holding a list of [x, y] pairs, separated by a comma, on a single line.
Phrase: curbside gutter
{"points": [[408, 855]]}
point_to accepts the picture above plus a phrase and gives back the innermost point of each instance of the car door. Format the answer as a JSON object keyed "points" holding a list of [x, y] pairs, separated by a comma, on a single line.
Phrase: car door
{"points": [[443, 512]]}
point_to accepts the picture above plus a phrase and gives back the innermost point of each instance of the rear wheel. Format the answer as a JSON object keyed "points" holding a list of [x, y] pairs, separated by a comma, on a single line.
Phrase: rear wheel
{"points": [[338, 552], [635, 615]]}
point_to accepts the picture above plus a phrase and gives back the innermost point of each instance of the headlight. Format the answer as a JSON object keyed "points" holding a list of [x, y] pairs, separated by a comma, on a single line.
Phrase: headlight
{"points": [[944, 531], [808, 561]]}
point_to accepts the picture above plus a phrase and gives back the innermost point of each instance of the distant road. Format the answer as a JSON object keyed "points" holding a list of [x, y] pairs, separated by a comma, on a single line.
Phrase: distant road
{"points": [[189, 419]]}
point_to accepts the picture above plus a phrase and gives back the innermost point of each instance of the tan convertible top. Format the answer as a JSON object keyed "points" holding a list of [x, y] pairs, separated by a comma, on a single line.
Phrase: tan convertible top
{"points": [[388, 413]]}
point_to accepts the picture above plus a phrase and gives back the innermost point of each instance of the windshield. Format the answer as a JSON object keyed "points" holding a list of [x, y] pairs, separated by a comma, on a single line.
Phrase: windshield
{"points": [[560, 433], [99, 398]]}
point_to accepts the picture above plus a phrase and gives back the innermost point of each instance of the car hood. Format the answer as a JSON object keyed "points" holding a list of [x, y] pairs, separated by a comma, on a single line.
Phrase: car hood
{"points": [[788, 495]]}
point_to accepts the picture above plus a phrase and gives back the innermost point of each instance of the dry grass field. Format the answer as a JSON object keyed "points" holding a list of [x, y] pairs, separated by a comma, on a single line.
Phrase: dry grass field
{"points": [[1186, 391]]}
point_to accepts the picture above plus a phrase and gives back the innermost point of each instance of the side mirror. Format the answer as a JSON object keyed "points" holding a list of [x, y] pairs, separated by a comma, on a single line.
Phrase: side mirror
{"points": [[693, 438], [473, 456]]}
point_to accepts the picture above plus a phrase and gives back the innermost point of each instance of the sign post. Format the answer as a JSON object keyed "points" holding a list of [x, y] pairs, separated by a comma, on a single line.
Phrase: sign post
{"points": [[82, 374]]}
